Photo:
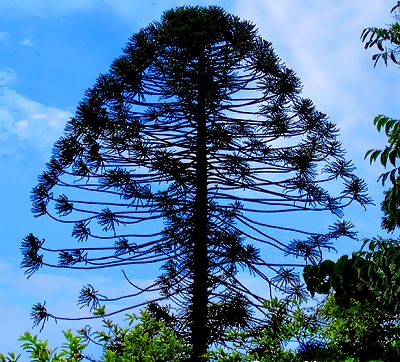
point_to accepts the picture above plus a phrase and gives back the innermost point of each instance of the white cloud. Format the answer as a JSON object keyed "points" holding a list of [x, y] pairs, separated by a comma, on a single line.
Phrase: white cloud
{"points": [[40, 116], [27, 42], [7, 77], [321, 42], [3, 35], [29, 120]]}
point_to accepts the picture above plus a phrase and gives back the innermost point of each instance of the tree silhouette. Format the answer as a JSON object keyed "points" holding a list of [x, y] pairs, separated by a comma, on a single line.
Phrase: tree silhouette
{"points": [[196, 130]]}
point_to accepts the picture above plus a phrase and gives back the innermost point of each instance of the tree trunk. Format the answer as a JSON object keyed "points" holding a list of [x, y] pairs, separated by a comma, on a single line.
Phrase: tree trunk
{"points": [[199, 333]]}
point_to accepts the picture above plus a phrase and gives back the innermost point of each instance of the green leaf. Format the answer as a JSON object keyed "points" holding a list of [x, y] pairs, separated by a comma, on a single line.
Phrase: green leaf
{"points": [[326, 267], [340, 265], [374, 155], [389, 124], [384, 177], [100, 311], [393, 175], [367, 153], [393, 58], [380, 121], [372, 245], [384, 156], [392, 157]]}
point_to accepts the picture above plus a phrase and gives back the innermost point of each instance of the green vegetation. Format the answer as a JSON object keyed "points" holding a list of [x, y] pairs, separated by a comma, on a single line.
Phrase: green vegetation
{"points": [[156, 340], [325, 333]]}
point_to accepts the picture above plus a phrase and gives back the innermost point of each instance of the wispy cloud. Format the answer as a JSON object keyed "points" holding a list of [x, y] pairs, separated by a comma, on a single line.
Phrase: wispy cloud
{"points": [[7, 77], [27, 42], [321, 42], [32, 121], [3, 35]]}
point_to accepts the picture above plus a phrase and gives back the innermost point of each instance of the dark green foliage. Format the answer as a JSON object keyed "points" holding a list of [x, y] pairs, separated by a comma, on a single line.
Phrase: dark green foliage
{"points": [[368, 276], [391, 203], [197, 129], [360, 331], [366, 286]]}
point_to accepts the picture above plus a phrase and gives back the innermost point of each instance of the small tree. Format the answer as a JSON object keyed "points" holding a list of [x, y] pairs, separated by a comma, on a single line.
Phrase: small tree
{"points": [[148, 340], [193, 138]]}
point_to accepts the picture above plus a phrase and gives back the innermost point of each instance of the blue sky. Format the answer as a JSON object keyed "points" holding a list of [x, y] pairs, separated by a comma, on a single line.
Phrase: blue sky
{"points": [[52, 51]]}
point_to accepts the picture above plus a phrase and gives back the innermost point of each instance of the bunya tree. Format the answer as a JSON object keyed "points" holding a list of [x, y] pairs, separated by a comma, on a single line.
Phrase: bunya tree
{"points": [[182, 154]]}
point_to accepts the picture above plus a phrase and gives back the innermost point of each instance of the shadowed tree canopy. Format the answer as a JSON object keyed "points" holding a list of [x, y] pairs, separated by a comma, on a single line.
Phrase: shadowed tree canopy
{"points": [[179, 155], [364, 300], [368, 276]]}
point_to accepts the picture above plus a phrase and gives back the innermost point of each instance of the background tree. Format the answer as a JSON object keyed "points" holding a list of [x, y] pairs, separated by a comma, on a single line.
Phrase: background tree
{"points": [[362, 310], [196, 130], [377, 37], [362, 332]]}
